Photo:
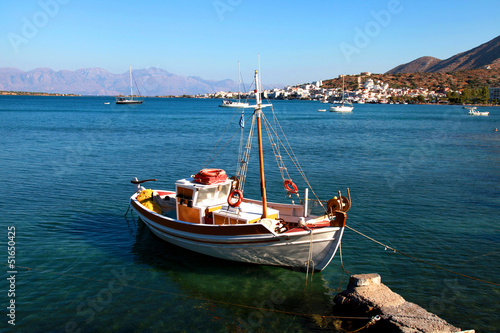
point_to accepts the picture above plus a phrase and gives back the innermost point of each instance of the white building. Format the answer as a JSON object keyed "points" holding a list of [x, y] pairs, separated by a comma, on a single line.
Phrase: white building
{"points": [[494, 93]]}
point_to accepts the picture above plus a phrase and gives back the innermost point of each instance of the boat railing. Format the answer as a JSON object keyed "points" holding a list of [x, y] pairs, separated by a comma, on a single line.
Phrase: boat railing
{"points": [[288, 212]]}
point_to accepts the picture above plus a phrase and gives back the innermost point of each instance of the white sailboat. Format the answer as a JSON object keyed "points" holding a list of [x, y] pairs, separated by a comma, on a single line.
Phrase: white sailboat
{"points": [[208, 213], [342, 107], [235, 104], [130, 100]]}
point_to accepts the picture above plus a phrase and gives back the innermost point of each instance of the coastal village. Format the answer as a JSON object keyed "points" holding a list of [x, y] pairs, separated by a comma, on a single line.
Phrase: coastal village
{"points": [[368, 90]]}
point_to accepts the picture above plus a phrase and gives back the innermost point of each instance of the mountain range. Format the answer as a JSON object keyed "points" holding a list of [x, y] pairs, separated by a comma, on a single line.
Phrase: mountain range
{"points": [[159, 82], [97, 81], [486, 55]]}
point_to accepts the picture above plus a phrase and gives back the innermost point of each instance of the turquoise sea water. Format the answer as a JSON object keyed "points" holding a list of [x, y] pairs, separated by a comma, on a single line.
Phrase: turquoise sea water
{"points": [[423, 179]]}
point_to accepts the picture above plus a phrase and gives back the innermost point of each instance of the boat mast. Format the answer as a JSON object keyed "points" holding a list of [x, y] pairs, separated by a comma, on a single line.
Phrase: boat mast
{"points": [[343, 91], [258, 113], [239, 81], [131, 96]]}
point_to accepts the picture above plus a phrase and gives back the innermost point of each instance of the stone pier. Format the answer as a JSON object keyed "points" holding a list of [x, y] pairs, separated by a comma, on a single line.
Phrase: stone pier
{"points": [[367, 295]]}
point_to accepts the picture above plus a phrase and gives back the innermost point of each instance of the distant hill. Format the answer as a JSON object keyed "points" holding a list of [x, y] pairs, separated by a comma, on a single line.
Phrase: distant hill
{"points": [[470, 79], [419, 65], [97, 81], [487, 54]]}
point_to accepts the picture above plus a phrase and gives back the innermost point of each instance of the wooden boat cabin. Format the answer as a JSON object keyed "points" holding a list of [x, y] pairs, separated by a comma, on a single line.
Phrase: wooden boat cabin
{"points": [[204, 200]]}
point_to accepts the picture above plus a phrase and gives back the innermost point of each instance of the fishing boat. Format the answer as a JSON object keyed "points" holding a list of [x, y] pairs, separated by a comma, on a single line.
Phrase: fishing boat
{"points": [[474, 112], [208, 212], [129, 100], [344, 106], [236, 104]]}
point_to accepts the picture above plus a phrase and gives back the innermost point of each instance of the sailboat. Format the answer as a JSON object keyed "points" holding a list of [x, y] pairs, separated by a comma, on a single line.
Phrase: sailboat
{"points": [[209, 214], [131, 100], [235, 104], [342, 107]]}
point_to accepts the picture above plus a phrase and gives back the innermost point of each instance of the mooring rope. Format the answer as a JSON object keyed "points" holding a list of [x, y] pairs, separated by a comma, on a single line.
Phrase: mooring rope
{"points": [[421, 260], [310, 260]]}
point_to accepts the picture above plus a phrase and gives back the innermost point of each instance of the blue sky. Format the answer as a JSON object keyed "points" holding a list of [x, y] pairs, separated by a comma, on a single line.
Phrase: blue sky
{"points": [[298, 41]]}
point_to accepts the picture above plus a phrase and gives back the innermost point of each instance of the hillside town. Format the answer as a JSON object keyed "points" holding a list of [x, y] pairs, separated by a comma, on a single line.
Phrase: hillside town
{"points": [[368, 90]]}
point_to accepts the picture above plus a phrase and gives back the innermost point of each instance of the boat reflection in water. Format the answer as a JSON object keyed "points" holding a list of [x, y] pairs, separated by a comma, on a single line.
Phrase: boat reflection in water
{"points": [[233, 295]]}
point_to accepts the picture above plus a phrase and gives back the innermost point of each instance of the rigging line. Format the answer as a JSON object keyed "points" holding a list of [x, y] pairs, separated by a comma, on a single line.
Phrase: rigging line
{"points": [[244, 88], [218, 141], [279, 160], [294, 158], [207, 161], [186, 296], [423, 261], [133, 77], [294, 161], [240, 148], [242, 174], [210, 161]]}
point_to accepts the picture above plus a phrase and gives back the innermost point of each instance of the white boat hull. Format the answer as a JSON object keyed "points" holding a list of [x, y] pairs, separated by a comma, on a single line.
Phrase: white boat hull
{"points": [[129, 101], [253, 243], [341, 108], [234, 105], [477, 113]]}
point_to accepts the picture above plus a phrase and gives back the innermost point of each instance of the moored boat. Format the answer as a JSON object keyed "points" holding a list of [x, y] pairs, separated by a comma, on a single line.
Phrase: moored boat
{"points": [[474, 112], [344, 106], [208, 213], [234, 104], [130, 99], [239, 103]]}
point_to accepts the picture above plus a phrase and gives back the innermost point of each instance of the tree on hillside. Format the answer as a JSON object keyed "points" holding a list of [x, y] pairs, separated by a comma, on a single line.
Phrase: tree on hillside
{"points": [[453, 97], [484, 94]]}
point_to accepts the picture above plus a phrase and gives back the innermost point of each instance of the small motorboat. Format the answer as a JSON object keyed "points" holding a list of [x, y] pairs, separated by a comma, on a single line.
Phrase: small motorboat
{"points": [[474, 112]]}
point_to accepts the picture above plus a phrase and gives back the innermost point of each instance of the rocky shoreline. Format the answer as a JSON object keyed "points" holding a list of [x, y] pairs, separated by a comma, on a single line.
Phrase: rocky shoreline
{"points": [[391, 313]]}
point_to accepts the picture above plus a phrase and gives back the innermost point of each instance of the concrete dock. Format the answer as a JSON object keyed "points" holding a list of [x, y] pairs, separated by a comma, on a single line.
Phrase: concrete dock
{"points": [[367, 295]]}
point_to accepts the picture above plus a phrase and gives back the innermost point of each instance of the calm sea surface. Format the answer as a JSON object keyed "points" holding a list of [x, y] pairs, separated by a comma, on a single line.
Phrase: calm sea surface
{"points": [[423, 179]]}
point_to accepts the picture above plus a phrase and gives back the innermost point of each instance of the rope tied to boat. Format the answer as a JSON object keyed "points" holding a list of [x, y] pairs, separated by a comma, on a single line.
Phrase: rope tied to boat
{"points": [[309, 259], [372, 321], [421, 260]]}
